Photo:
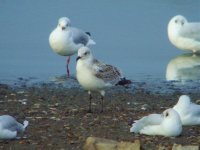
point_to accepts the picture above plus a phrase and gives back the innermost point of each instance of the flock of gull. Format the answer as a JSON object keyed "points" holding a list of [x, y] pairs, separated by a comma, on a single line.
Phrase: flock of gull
{"points": [[94, 75], [170, 122]]}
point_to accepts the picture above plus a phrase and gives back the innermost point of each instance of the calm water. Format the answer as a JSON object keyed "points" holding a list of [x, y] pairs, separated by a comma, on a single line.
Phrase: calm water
{"points": [[131, 35]]}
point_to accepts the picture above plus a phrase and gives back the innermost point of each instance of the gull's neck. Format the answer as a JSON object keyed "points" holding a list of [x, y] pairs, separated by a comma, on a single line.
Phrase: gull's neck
{"points": [[87, 62]]}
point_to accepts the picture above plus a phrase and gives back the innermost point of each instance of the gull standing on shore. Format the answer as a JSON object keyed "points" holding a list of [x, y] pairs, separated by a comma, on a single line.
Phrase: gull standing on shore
{"points": [[183, 34], [9, 127], [189, 112], [94, 75], [66, 40], [167, 124]]}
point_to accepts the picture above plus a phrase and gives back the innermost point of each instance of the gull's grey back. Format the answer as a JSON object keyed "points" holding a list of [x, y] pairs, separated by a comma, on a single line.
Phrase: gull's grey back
{"points": [[8, 122], [79, 37], [191, 30]]}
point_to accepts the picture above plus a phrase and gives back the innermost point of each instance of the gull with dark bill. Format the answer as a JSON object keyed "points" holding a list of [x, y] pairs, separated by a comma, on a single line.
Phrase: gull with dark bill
{"points": [[94, 75], [66, 40]]}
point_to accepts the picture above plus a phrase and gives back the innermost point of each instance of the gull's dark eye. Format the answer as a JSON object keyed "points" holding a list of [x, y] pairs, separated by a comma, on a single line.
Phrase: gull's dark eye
{"points": [[86, 53], [182, 22]]}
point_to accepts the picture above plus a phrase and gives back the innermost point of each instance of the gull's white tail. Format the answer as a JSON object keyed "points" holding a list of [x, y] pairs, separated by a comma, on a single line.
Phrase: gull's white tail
{"points": [[138, 125], [25, 124], [152, 119], [91, 42]]}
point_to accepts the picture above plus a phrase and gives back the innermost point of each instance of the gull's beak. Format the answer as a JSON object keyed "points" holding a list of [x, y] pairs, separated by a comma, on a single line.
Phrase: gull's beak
{"points": [[78, 58]]}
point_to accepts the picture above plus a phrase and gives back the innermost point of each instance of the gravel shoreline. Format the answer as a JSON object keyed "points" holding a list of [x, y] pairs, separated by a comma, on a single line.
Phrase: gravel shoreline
{"points": [[59, 120]]}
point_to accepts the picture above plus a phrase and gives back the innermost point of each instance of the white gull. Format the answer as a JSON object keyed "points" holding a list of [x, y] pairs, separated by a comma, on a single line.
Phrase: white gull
{"points": [[65, 40], [94, 75], [167, 124], [183, 34], [189, 112], [9, 127]]}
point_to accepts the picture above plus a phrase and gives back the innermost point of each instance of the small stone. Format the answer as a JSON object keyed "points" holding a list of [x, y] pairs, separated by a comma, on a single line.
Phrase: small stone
{"points": [[67, 128], [13, 94], [54, 118], [36, 105], [129, 145], [198, 101], [56, 104], [74, 110], [23, 101], [22, 142], [39, 117], [144, 107], [20, 92], [188, 147], [94, 143]]}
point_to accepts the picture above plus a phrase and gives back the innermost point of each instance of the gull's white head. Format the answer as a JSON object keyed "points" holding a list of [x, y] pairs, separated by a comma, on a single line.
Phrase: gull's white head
{"points": [[172, 122], [84, 53], [63, 23], [174, 28], [170, 113], [177, 21], [184, 100]]}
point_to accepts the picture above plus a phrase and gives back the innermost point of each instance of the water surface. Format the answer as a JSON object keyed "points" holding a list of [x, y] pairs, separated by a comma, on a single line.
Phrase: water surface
{"points": [[131, 35]]}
